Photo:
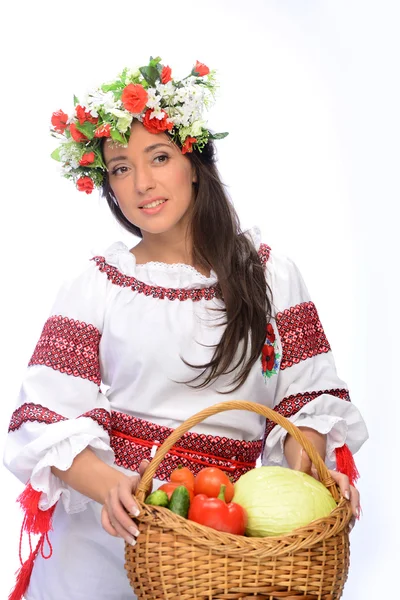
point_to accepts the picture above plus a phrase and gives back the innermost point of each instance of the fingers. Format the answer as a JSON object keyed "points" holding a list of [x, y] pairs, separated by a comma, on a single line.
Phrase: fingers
{"points": [[348, 491], [106, 523], [142, 467], [352, 522], [125, 494], [119, 504], [303, 463], [115, 517]]}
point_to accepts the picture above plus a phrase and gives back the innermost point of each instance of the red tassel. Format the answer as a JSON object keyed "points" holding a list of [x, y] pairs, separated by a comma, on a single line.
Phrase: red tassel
{"points": [[24, 575], [345, 464], [36, 521]]}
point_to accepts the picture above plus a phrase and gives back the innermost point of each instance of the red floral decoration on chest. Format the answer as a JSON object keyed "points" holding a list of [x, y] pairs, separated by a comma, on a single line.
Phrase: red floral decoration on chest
{"points": [[269, 358]]}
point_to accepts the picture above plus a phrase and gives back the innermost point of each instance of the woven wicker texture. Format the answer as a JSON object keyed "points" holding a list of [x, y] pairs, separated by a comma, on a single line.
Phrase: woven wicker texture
{"points": [[175, 558]]}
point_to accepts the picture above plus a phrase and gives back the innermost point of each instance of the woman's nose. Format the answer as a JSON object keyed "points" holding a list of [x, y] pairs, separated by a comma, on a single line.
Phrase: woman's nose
{"points": [[144, 179]]}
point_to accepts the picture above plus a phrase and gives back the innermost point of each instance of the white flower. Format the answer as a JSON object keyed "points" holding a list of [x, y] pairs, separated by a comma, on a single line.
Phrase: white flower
{"points": [[157, 113], [181, 94], [70, 153], [189, 80], [153, 100], [124, 119], [197, 127], [165, 89], [99, 99]]}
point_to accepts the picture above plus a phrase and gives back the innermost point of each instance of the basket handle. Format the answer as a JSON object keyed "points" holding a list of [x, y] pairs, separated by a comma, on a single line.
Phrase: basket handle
{"points": [[270, 414]]}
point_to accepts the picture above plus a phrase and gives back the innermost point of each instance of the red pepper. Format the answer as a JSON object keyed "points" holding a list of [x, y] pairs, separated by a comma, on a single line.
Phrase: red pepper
{"points": [[216, 513]]}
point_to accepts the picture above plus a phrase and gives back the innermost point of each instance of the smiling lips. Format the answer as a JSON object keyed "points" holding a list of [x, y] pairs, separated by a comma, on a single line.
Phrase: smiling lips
{"points": [[153, 203]]}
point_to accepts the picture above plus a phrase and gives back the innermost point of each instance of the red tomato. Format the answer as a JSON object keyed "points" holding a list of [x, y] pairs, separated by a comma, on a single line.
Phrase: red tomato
{"points": [[183, 476], [209, 480], [169, 487]]}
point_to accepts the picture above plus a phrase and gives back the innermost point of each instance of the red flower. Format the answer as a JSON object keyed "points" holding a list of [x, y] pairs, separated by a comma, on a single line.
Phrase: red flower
{"points": [[187, 146], [77, 135], [87, 159], [59, 121], [84, 115], [166, 75], [268, 358], [200, 69], [134, 97], [103, 131], [155, 125], [85, 184], [270, 333]]}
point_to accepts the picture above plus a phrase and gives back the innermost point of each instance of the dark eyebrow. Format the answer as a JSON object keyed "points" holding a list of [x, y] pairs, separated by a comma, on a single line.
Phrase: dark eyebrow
{"points": [[147, 150], [154, 146]]}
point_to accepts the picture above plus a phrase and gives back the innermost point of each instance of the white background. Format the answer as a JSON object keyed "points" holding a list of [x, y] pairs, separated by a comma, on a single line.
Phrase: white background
{"points": [[310, 95]]}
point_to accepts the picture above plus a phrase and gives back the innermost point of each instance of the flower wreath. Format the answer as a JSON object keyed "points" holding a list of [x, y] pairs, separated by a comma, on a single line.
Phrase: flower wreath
{"points": [[148, 94]]}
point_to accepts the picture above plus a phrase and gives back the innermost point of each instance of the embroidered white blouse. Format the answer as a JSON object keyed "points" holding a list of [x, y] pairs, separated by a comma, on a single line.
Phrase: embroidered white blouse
{"points": [[113, 344]]}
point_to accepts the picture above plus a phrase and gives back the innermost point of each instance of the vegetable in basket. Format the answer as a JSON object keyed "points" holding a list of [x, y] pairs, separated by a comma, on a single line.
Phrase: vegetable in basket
{"points": [[209, 480], [171, 486], [278, 500], [183, 476], [180, 501], [217, 514], [158, 498]]}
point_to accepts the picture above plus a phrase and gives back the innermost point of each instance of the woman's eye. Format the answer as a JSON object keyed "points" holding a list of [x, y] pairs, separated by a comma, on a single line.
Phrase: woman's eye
{"points": [[119, 170], [162, 158]]}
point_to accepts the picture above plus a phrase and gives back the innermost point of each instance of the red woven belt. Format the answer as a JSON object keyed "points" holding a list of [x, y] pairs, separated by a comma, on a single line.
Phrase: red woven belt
{"points": [[132, 440]]}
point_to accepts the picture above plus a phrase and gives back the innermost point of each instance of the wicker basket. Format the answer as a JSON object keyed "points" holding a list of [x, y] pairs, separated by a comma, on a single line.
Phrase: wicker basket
{"points": [[175, 558]]}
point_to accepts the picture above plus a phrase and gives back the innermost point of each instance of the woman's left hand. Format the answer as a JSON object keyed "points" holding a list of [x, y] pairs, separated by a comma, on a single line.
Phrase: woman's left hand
{"points": [[348, 491]]}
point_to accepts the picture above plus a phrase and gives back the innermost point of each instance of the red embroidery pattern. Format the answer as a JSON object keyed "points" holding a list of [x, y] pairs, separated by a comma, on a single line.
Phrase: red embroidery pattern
{"points": [[118, 278], [30, 412], [292, 404], [70, 347], [263, 253], [129, 453], [33, 412], [301, 334], [101, 416]]}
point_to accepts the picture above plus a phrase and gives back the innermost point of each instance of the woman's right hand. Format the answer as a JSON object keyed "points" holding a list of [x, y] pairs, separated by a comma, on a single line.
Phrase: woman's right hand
{"points": [[118, 503]]}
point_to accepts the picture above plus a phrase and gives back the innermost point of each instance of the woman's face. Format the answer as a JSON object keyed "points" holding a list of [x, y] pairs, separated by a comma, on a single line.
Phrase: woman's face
{"points": [[151, 180]]}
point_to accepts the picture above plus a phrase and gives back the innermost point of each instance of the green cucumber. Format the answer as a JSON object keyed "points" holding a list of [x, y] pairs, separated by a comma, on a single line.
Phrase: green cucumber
{"points": [[180, 501], [157, 498]]}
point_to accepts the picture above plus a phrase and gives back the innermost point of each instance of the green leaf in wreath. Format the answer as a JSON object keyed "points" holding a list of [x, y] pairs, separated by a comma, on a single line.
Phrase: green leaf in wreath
{"points": [[154, 61], [218, 136], [76, 101], [56, 154], [117, 136], [111, 87], [150, 75], [87, 129]]}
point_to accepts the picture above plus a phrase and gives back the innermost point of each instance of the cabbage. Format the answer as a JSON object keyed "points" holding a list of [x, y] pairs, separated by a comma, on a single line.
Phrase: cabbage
{"points": [[278, 500]]}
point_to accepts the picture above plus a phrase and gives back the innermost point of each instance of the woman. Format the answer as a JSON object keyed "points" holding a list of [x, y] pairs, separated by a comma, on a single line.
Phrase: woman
{"points": [[196, 309]]}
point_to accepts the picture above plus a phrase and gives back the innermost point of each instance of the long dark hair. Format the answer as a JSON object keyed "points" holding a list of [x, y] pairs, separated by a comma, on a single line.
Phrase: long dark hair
{"points": [[219, 244]]}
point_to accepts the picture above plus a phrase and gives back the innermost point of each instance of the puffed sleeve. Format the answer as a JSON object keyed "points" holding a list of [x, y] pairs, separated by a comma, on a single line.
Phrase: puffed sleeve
{"points": [[308, 390], [61, 409]]}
